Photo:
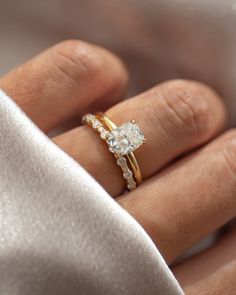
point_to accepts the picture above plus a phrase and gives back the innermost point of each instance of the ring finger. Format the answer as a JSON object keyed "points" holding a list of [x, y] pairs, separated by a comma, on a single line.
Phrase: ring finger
{"points": [[175, 117]]}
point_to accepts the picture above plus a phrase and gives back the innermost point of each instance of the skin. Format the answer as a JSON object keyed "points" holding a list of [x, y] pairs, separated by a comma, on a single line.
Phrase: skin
{"points": [[188, 164]]}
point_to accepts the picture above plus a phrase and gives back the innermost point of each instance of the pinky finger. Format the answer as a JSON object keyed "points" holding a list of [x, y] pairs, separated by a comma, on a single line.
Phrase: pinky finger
{"points": [[211, 273]]}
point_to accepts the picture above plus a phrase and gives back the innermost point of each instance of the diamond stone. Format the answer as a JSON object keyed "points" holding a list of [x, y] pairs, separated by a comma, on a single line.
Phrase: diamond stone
{"points": [[131, 186], [121, 161], [128, 174], [96, 124], [125, 139], [104, 134]]}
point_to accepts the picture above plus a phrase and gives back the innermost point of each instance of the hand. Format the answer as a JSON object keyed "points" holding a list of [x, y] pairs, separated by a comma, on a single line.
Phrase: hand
{"points": [[187, 192]]}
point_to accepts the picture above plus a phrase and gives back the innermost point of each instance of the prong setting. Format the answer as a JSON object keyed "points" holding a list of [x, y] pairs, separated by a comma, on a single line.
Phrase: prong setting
{"points": [[122, 141], [126, 139]]}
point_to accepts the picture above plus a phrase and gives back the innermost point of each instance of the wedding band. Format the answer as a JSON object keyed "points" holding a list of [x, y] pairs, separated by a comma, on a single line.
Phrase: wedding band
{"points": [[122, 141]]}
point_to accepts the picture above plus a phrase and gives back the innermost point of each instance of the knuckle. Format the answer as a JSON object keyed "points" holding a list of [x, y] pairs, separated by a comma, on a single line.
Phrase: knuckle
{"points": [[185, 107], [78, 61], [229, 150]]}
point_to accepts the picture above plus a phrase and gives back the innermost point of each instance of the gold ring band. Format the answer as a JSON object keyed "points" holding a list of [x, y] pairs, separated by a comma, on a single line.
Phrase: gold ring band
{"points": [[122, 141], [120, 161], [131, 157]]}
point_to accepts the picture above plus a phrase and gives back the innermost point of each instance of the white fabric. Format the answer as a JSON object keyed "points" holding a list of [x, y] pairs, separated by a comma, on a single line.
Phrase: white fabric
{"points": [[60, 232]]}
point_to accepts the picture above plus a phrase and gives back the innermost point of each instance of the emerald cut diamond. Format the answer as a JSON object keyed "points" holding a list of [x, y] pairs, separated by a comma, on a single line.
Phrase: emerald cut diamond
{"points": [[125, 139]]}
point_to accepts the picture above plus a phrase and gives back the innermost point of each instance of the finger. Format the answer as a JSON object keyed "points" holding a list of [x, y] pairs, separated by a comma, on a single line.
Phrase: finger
{"points": [[212, 272], [66, 80], [175, 117], [189, 200]]}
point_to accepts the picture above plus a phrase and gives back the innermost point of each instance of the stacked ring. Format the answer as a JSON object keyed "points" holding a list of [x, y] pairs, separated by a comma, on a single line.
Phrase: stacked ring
{"points": [[122, 141]]}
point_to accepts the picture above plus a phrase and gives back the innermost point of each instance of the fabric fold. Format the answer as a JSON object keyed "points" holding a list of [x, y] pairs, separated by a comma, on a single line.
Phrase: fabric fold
{"points": [[60, 232]]}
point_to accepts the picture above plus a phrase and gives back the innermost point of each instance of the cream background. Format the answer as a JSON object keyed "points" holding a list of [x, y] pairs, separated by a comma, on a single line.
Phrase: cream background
{"points": [[158, 39]]}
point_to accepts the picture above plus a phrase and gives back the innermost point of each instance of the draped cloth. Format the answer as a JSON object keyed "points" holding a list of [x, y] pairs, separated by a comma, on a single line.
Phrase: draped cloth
{"points": [[60, 232]]}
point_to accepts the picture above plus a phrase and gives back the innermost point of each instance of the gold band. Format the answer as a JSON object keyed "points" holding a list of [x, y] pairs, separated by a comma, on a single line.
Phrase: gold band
{"points": [[130, 157]]}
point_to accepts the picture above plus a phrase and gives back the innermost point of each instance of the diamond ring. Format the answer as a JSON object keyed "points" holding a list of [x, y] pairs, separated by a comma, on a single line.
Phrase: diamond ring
{"points": [[122, 142]]}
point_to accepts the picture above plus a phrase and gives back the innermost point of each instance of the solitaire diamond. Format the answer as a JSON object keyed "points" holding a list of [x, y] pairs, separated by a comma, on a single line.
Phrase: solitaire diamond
{"points": [[125, 139], [122, 141]]}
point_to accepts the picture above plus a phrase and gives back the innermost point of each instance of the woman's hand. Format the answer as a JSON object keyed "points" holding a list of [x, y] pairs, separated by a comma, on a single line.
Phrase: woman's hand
{"points": [[187, 192]]}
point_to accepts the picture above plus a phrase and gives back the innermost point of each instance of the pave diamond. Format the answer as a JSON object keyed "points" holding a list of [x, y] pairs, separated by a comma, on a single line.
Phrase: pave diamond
{"points": [[121, 161], [125, 139], [128, 174]]}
